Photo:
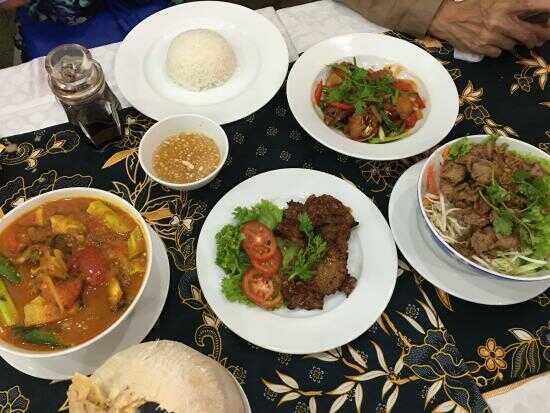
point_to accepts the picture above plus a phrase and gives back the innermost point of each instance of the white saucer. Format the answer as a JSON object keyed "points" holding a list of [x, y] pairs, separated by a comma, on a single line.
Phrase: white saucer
{"points": [[422, 252], [260, 49], [131, 331]]}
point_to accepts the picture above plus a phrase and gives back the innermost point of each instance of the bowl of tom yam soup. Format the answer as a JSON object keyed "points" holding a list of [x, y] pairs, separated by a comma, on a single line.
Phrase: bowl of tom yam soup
{"points": [[183, 152], [73, 264]]}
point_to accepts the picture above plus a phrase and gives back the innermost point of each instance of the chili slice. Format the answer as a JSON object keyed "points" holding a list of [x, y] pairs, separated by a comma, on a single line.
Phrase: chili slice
{"points": [[318, 93]]}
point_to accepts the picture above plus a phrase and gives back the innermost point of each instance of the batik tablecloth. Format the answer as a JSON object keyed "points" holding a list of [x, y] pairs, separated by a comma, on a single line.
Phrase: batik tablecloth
{"points": [[428, 351]]}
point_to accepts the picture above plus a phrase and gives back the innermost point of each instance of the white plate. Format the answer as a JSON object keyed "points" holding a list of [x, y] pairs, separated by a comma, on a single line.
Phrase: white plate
{"points": [[260, 49], [375, 50], [419, 248], [372, 260], [131, 331]]}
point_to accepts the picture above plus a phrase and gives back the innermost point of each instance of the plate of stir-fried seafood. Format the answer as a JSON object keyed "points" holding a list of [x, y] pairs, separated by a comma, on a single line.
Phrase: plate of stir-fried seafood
{"points": [[372, 96]]}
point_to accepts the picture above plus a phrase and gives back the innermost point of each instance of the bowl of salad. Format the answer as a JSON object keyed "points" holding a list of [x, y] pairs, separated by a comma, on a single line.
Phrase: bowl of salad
{"points": [[486, 201]]}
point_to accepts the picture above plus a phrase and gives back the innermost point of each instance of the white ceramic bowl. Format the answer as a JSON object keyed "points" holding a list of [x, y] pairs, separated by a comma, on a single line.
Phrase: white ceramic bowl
{"points": [[65, 193], [181, 124], [436, 159], [436, 87]]}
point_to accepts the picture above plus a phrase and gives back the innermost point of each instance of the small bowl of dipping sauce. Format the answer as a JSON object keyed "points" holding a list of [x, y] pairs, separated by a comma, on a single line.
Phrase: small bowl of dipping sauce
{"points": [[183, 152]]}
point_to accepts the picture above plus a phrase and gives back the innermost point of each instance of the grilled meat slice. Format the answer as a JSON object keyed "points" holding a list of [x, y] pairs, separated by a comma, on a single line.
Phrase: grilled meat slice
{"points": [[453, 172], [298, 294], [507, 242], [482, 171], [348, 285], [289, 228], [325, 209], [334, 222], [336, 236], [332, 115], [331, 272], [476, 219], [483, 240]]}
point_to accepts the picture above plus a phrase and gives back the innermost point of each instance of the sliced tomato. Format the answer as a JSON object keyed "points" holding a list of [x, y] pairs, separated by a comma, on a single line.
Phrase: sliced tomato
{"points": [[341, 105], [271, 265], [10, 244], [410, 121], [419, 102], [259, 242], [262, 289], [91, 263], [318, 93], [404, 85]]}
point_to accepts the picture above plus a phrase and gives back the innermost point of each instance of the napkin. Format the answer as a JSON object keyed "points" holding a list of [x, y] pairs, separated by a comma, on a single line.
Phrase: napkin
{"points": [[467, 56], [529, 395], [310, 23], [270, 14]]}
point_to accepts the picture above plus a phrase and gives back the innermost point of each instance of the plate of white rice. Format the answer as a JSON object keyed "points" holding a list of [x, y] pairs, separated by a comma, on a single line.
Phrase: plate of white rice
{"points": [[215, 59]]}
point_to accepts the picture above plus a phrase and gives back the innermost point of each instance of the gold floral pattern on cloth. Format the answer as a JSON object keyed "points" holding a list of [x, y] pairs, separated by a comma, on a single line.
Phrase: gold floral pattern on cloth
{"points": [[525, 356], [407, 361], [13, 401], [207, 335], [534, 69], [435, 360], [16, 191], [172, 215], [493, 355], [26, 152], [469, 100]]}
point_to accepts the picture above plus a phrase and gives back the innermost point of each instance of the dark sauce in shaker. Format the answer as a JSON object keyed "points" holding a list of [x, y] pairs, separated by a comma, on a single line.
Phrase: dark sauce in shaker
{"points": [[79, 85]]}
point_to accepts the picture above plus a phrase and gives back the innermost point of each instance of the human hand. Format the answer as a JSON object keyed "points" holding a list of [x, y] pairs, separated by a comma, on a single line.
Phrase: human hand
{"points": [[12, 4], [489, 26]]}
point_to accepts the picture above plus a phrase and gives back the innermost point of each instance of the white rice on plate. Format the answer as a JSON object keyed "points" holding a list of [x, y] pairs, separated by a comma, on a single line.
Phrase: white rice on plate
{"points": [[200, 59]]}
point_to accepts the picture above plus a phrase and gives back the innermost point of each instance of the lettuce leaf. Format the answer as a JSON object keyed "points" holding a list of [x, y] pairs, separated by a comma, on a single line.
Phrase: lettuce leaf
{"points": [[229, 255], [266, 212], [231, 288]]}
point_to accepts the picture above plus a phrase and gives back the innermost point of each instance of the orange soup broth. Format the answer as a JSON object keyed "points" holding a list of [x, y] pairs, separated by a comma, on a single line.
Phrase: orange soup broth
{"points": [[95, 314]]}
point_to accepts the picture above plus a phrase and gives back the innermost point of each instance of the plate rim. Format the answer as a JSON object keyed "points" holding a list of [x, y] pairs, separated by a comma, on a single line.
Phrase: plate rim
{"points": [[300, 347], [276, 81], [294, 98]]}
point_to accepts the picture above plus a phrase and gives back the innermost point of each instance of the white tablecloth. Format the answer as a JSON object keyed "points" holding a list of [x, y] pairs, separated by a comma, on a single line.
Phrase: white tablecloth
{"points": [[27, 104]]}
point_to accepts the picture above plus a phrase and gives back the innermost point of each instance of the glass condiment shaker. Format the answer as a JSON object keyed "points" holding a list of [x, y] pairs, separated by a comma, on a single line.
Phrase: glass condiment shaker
{"points": [[79, 85]]}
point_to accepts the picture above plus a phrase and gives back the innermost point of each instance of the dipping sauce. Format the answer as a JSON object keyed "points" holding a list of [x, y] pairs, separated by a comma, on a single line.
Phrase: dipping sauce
{"points": [[185, 158]]}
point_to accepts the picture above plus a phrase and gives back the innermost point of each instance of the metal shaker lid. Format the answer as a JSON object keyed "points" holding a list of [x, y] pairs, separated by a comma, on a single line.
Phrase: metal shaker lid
{"points": [[73, 75]]}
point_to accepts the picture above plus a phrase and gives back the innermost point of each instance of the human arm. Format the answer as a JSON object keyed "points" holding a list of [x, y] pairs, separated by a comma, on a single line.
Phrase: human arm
{"points": [[409, 16], [12, 4]]}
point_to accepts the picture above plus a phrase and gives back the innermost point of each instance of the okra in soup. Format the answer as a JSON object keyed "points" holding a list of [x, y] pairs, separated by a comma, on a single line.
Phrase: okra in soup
{"points": [[68, 270]]}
